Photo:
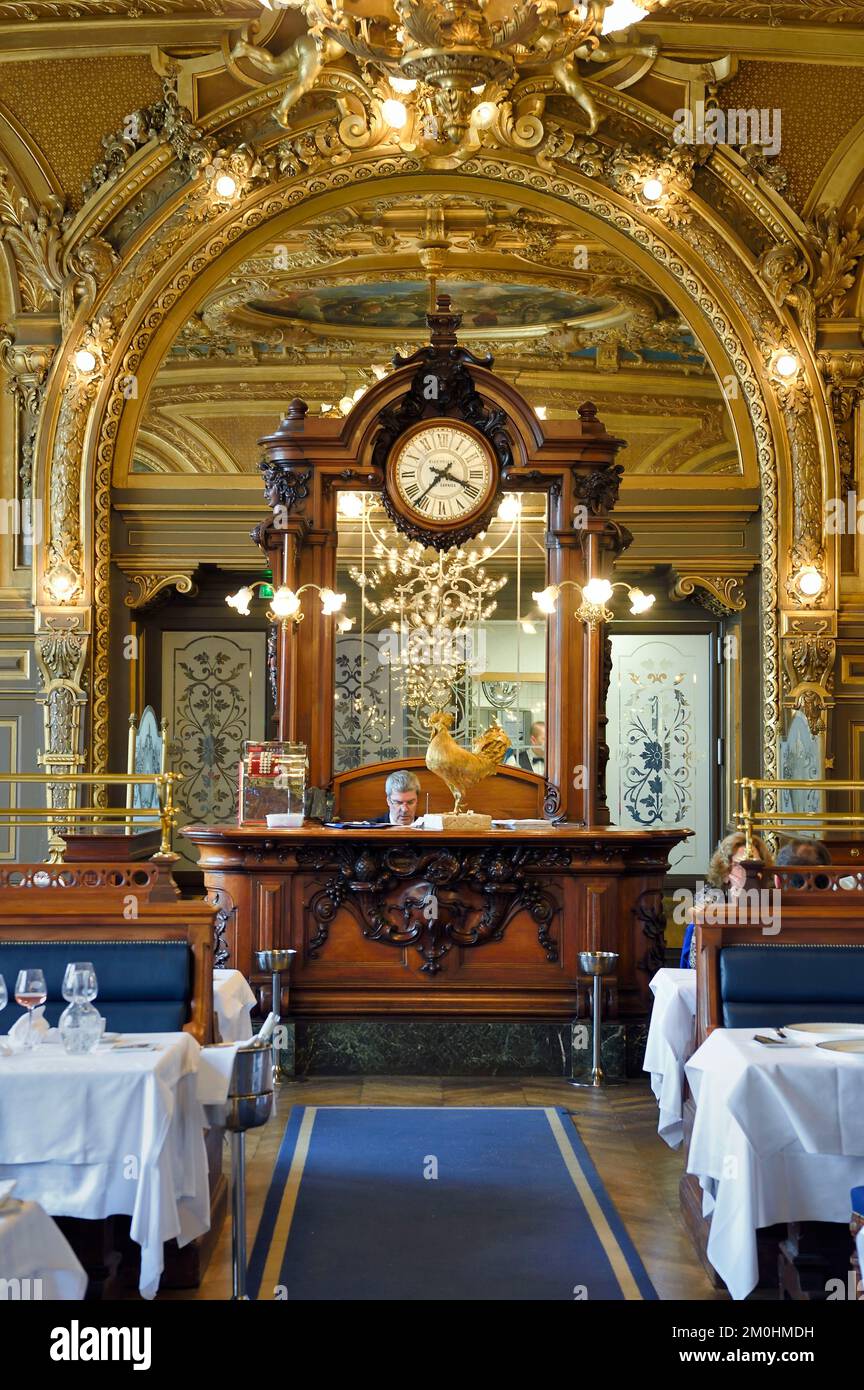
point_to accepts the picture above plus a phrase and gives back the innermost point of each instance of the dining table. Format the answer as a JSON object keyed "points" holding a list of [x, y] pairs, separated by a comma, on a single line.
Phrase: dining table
{"points": [[37, 1263], [116, 1131], [233, 1002], [778, 1136], [671, 1041]]}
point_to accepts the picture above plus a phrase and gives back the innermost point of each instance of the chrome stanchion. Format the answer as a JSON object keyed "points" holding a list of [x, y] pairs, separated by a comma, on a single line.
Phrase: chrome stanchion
{"points": [[276, 961], [598, 964], [250, 1102]]}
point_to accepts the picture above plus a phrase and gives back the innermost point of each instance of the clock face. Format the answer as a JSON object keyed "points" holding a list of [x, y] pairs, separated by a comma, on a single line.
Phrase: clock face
{"points": [[443, 474]]}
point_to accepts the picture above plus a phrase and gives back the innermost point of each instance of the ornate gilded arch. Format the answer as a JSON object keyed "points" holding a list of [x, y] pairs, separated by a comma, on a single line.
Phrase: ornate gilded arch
{"points": [[181, 234]]}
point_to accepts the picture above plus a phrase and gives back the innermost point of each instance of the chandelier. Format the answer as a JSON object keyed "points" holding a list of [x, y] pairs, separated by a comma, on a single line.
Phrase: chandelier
{"points": [[430, 606], [456, 59]]}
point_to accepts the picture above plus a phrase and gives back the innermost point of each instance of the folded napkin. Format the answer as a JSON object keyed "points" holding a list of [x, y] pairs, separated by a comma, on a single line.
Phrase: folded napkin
{"points": [[18, 1032]]}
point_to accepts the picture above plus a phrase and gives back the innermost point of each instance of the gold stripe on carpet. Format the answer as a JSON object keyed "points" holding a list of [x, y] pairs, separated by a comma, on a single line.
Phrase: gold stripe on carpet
{"points": [[282, 1228], [614, 1253]]}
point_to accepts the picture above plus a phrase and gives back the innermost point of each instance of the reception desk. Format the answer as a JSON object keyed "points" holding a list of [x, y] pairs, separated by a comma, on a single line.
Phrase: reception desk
{"points": [[425, 925]]}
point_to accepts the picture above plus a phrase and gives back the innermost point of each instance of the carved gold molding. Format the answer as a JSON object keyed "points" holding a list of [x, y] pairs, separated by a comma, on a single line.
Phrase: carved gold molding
{"points": [[147, 586], [720, 594]]}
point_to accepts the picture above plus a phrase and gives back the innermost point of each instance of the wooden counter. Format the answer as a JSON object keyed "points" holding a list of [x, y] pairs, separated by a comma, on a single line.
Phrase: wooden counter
{"points": [[408, 923]]}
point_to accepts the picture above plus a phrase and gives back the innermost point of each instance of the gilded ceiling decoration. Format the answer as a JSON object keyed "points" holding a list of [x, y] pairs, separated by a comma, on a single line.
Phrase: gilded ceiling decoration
{"points": [[771, 12], [527, 292], [14, 11], [36, 93], [810, 130]]}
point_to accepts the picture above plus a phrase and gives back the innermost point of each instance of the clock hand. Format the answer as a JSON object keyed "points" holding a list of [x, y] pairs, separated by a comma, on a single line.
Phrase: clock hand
{"points": [[440, 474]]}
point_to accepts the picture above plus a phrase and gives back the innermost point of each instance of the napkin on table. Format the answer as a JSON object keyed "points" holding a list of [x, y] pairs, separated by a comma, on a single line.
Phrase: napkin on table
{"points": [[18, 1032]]}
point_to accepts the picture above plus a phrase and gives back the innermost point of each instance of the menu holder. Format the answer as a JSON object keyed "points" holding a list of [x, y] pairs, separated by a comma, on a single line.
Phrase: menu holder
{"points": [[272, 781]]}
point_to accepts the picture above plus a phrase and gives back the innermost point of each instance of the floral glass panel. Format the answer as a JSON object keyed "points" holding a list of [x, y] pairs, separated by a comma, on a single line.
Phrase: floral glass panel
{"points": [[659, 734]]}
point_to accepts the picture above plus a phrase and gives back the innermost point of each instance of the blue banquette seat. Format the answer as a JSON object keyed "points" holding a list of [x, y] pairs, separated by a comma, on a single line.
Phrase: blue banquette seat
{"points": [[769, 984], [144, 986], [152, 951]]}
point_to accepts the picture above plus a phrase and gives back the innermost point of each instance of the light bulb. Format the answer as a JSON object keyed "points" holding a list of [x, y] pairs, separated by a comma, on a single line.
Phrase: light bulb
{"points": [[285, 603], [345, 404], [528, 627], [395, 112], [350, 504], [485, 113], [380, 372], [62, 583], [240, 601], [85, 360], [331, 602], [345, 624], [326, 407], [226, 186], [510, 507], [810, 582], [652, 190], [640, 602], [597, 591], [540, 412], [621, 14], [360, 391], [786, 365], [546, 598], [403, 84]]}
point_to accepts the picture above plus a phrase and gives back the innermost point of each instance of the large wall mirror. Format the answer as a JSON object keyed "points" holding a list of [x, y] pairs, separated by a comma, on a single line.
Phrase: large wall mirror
{"points": [[458, 628]]}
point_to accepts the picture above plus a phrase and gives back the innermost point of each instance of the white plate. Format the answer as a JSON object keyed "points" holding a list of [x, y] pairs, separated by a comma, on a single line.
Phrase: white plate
{"points": [[853, 1047], [815, 1033]]}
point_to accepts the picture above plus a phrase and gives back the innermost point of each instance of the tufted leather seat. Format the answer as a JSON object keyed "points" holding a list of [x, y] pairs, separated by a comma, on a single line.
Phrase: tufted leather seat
{"points": [[144, 986], [764, 985]]}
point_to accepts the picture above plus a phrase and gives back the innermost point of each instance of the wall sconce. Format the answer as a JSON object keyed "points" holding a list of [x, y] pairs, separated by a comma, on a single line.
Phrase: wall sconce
{"points": [[85, 361], [285, 604], [595, 596], [786, 365], [652, 190], [808, 583], [62, 583]]}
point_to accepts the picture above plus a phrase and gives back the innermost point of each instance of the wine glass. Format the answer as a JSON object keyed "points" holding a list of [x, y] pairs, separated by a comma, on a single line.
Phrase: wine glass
{"points": [[30, 991], [79, 981]]}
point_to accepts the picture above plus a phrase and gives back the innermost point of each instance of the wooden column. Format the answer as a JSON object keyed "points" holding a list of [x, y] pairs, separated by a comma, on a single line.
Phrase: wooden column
{"points": [[565, 662]]}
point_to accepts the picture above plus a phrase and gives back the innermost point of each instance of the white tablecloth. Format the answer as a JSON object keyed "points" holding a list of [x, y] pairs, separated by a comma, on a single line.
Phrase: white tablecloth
{"points": [[778, 1136], [111, 1133], [33, 1248], [233, 1002], [671, 1039]]}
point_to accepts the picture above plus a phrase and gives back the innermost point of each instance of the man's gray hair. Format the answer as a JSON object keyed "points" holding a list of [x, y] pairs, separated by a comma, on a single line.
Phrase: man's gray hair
{"points": [[402, 782]]}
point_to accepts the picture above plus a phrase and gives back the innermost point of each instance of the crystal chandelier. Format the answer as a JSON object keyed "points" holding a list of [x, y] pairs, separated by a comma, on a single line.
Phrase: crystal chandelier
{"points": [[432, 605]]}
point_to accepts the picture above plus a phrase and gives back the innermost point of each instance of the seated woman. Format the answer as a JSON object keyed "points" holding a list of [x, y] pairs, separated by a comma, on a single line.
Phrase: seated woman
{"points": [[724, 880]]}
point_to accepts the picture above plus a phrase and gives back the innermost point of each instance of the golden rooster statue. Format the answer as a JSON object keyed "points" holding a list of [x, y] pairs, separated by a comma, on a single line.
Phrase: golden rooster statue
{"points": [[458, 767]]}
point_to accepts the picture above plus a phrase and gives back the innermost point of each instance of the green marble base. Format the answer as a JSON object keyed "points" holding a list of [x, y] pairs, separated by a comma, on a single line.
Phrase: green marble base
{"points": [[370, 1048]]}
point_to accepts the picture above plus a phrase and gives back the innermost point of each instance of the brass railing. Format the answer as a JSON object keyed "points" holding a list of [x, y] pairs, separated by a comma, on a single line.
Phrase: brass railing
{"points": [[779, 822], [58, 819]]}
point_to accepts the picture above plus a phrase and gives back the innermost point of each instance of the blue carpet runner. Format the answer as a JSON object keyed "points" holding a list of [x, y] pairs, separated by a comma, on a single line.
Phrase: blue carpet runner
{"points": [[436, 1204]]}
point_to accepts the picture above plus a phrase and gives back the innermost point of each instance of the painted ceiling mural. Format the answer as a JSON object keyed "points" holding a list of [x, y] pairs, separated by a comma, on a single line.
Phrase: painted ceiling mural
{"points": [[323, 312]]}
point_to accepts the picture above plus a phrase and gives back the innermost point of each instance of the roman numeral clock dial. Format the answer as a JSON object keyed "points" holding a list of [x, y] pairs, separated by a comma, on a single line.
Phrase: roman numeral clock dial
{"points": [[443, 478]]}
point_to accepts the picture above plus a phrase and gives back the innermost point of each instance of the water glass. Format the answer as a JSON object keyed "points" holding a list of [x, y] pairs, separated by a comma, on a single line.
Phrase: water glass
{"points": [[79, 981]]}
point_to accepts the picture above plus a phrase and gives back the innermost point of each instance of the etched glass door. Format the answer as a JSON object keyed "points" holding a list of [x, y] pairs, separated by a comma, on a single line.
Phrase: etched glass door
{"points": [[660, 769]]}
